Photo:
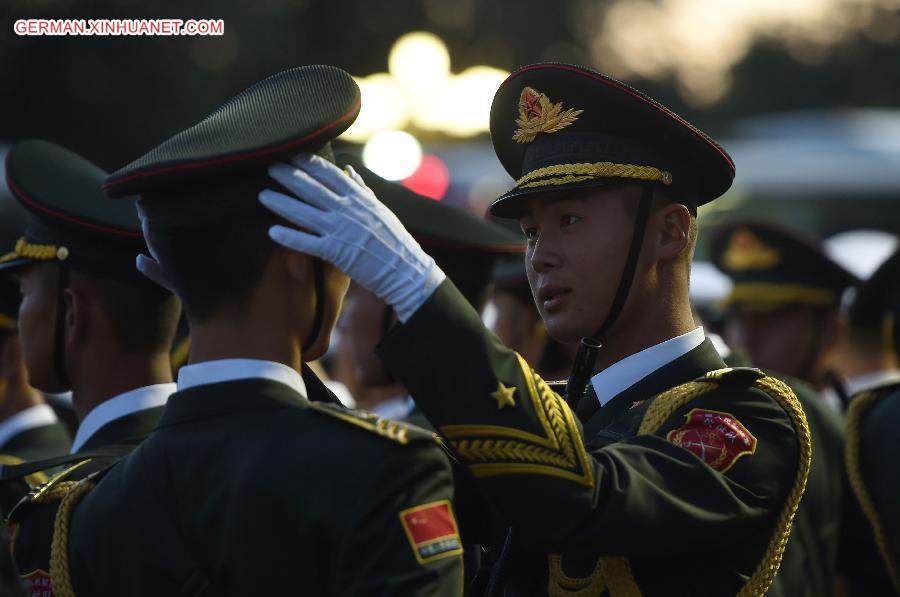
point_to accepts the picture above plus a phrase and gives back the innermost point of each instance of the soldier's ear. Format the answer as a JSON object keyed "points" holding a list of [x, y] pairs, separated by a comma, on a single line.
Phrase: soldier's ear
{"points": [[673, 231]]}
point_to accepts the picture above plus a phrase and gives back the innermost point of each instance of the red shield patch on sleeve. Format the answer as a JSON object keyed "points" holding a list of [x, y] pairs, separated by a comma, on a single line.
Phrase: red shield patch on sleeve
{"points": [[717, 438], [38, 583], [432, 531]]}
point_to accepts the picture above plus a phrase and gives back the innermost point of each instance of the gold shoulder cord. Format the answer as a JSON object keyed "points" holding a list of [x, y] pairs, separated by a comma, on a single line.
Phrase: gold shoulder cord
{"points": [[858, 407], [59, 547], [617, 571]]}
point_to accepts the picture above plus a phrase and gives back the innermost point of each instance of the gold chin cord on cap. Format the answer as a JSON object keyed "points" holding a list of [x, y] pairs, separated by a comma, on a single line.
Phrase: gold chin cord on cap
{"points": [[27, 250]]}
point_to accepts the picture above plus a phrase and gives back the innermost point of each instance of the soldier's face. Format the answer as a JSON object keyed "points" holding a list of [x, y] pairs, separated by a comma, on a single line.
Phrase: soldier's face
{"points": [[577, 244], [37, 325], [789, 340], [364, 315]]}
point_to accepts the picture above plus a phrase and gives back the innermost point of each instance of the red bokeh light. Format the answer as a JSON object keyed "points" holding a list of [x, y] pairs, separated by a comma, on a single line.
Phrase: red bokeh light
{"points": [[432, 179]]}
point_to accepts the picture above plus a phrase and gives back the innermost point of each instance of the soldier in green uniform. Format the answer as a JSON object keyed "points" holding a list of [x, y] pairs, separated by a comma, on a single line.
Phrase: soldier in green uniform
{"points": [[88, 322], [784, 307], [683, 477], [464, 247], [248, 486], [781, 284], [872, 453]]}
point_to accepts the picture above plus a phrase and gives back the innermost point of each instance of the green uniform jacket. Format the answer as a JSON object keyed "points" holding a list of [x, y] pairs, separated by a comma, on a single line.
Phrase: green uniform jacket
{"points": [[247, 488], [808, 566], [873, 465], [33, 519], [32, 444], [690, 492]]}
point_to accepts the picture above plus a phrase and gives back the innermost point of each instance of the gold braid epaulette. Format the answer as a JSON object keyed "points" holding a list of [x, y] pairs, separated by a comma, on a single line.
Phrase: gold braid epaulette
{"points": [[557, 450], [858, 407], [60, 576], [393, 430], [559, 174], [617, 570], [33, 251]]}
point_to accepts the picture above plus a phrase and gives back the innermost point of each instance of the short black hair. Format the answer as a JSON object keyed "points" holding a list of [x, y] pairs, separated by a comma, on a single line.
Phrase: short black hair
{"points": [[143, 315], [215, 262]]}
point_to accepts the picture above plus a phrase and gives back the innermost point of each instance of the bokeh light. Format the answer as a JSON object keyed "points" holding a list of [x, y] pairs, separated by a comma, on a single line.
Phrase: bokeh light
{"points": [[431, 179], [392, 155]]}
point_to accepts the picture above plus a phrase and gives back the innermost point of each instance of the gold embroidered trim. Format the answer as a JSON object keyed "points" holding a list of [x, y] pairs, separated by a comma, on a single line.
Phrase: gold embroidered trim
{"points": [[858, 407], [537, 114], [588, 170], [56, 487], [613, 574], [668, 402], [34, 479], [37, 252], [746, 252], [7, 323], [767, 295], [60, 577], [491, 450], [394, 430]]}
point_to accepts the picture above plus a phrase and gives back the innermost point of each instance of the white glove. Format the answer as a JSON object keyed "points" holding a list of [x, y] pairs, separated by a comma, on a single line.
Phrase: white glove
{"points": [[346, 225]]}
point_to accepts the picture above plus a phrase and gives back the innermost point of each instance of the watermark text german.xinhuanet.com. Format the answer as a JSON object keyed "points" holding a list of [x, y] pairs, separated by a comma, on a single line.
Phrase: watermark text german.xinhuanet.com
{"points": [[118, 27]]}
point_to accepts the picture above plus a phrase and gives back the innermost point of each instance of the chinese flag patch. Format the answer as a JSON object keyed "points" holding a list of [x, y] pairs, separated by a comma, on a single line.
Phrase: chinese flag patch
{"points": [[717, 438], [38, 583], [432, 531]]}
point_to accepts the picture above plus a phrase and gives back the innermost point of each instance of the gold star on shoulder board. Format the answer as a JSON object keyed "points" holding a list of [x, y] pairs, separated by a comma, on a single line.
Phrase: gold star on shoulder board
{"points": [[504, 395]]}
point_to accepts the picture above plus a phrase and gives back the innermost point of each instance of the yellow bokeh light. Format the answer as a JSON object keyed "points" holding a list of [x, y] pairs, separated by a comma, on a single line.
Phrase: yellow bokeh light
{"points": [[385, 105], [419, 61]]}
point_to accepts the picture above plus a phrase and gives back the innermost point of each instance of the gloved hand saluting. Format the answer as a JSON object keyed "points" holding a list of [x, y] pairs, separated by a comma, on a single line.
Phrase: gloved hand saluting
{"points": [[346, 225]]}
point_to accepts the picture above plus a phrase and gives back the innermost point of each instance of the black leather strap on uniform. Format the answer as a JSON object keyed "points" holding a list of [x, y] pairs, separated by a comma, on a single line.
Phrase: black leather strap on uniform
{"points": [[319, 275], [59, 339], [587, 352], [17, 471]]}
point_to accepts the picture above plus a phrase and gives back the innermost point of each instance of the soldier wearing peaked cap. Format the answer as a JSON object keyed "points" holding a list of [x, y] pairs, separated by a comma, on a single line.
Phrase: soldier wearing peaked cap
{"points": [[677, 475], [784, 297], [783, 308], [253, 481], [872, 451], [88, 322]]}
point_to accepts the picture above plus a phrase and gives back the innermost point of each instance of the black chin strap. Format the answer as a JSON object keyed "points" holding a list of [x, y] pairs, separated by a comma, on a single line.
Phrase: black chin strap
{"points": [[59, 339], [319, 276], [587, 350]]}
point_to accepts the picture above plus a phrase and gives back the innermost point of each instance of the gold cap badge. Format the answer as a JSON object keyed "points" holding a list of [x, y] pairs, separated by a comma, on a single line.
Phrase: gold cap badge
{"points": [[746, 252], [537, 114]]}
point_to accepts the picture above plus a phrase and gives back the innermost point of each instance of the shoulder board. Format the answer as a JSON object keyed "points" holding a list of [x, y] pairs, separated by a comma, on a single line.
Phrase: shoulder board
{"points": [[398, 431], [733, 376]]}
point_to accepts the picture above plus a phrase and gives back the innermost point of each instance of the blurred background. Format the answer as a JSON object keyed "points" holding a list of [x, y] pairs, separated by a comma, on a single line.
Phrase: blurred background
{"points": [[803, 93]]}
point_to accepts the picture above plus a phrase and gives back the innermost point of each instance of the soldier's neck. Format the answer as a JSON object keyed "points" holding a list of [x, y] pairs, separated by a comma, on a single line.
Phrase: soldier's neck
{"points": [[244, 339], [95, 380], [641, 329]]}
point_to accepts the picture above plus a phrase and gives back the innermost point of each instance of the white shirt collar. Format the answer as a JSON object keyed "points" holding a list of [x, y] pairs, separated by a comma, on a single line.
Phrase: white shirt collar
{"points": [[620, 376], [38, 415], [120, 406], [866, 381], [395, 408], [222, 370]]}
